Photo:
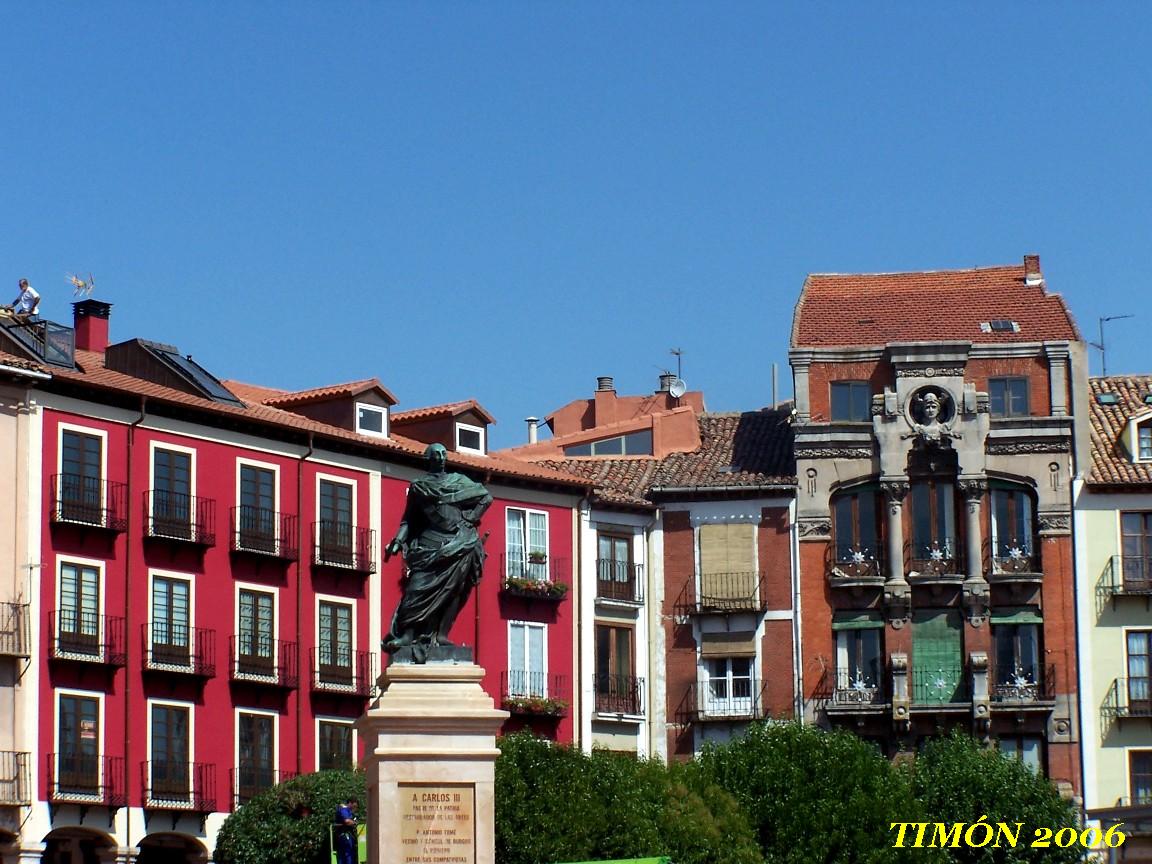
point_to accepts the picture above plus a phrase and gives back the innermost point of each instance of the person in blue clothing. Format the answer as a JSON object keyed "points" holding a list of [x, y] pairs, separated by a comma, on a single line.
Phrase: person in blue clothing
{"points": [[344, 833]]}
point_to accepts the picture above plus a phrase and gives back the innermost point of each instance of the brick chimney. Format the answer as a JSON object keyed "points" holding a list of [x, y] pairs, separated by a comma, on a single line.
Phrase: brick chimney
{"points": [[1032, 274], [90, 318], [605, 396]]}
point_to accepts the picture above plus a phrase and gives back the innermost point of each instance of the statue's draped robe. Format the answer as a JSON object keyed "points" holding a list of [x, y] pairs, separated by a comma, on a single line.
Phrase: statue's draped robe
{"points": [[444, 554]]}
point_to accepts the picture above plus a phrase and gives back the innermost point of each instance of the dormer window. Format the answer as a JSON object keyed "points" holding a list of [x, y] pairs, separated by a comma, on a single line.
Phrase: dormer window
{"points": [[371, 420], [1144, 442], [470, 439]]}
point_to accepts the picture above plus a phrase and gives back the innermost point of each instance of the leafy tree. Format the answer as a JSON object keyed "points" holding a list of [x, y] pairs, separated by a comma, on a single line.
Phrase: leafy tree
{"points": [[958, 780], [554, 803], [816, 796], [288, 824]]}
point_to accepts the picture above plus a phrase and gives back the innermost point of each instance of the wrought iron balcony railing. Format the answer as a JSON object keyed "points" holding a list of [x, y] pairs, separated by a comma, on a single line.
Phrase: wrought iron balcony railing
{"points": [[735, 699], [619, 580], [345, 546], [187, 786], [855, 687], [854, 565], [1010, 557], [51, 342], [89, 501], [534, 693], [731, 592], [87, 637], [257, 659], [619, 694], [84, 778], [14, 636], [178, 517], [15, 780], [1126, 575], [939, 684], [344, 671], [264, 532], [1021, 684], [929, 560], [179, 649], [249, 781], [1128, 698]]}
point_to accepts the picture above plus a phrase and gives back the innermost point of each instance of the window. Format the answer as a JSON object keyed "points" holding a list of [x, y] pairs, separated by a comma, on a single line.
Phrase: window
{"points": [[256, 522], [1012, 533], [1008, 397], [78, 745], [937, 664], [851, 401], [1139, 644], [1136, 550], [1016, 673], [728, 691], [255, 653], [527, 675], [615, 579], [1140, 776], [527, 549], [933, 524], [470, 439], [171, 621], [334, 641], [1028, 749], [172, 493], [256, 754], [371, 420], [334, 745], [81, 489], [79, 620], [169, 767], [728, 578], [616, 690], [633, 444], [335, 528], [859, 657], [857, 535], [1144, 442]]}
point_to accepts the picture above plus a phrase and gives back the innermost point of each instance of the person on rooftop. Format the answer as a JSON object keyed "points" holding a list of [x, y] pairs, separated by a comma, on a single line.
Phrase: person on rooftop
{"points": [[27, 302]]}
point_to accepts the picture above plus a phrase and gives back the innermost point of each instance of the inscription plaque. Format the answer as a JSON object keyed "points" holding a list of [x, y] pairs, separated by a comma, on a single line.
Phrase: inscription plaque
{"points": [[437, 823]]}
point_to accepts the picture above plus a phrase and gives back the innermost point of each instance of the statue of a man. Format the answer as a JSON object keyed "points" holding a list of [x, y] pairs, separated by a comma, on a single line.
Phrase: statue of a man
{"points": [[443, 553]]}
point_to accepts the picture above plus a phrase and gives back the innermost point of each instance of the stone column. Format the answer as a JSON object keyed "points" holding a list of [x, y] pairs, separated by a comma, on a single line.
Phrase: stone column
{"points": [[894, 493], [801, 362], [1058, 355], [976, 592], [430, 753]]}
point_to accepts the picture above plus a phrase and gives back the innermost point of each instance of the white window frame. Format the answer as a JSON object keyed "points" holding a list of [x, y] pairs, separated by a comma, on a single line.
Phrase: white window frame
{"points": [[191, 580], [524, 568], [335, 721], [155, 445], [343, 481], [730, 705], [274, 467], [236, 744], [1137, 428], [99, 566], [88, 694], [275, 592], [343, 601], [383, 412], [102, 434], [482, 450], [513, 666], [191, 708]]}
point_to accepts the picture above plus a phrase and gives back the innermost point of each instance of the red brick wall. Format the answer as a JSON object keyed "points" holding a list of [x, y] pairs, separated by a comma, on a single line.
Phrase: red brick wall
{"points": [[820, 376], [680, 660], [1033, 368], [1060, 644], [775, 556], [776, 651], [819, 654]]}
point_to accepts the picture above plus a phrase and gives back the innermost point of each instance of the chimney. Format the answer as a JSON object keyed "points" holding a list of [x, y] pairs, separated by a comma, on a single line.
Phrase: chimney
{"points": [[666, 380], [1032, 275], [90, 318], [531, 421], [605, 397]]}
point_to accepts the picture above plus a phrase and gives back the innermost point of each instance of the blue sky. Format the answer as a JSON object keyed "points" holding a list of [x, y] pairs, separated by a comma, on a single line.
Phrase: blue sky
{"points": [[504, 201]]}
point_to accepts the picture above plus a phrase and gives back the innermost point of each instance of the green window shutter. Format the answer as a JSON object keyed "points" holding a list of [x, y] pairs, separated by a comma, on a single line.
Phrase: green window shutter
{"points": [[937, 656], [1017, 615], [857, 621]]}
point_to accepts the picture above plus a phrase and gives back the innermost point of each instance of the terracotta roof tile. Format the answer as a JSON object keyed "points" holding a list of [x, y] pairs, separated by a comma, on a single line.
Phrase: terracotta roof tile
{"points": [[1111, 464], [253, 394], [320, 394], [877, 308], [448, 409], [18, 362], [618, 481]]}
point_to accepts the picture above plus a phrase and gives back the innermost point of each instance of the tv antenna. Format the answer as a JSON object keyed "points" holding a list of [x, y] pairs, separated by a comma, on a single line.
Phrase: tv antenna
{"points": [[677, 387], [1100, 345], [82, 288], [678, 353]]}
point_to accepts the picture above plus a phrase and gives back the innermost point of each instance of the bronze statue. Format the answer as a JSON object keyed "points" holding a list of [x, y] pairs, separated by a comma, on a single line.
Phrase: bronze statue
{"points": [[443, 554]]}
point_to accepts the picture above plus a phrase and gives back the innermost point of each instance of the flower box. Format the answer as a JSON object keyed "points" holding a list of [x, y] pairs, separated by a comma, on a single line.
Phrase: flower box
{"points": [[542, 706], [535, 588]]}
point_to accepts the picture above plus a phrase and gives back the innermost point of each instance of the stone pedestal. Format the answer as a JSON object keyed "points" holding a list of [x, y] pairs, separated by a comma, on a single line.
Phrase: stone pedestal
{"points": [[429, 754]]}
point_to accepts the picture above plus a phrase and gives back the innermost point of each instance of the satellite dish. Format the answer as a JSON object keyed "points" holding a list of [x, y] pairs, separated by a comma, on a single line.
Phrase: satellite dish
{"points": [[677, 388]]}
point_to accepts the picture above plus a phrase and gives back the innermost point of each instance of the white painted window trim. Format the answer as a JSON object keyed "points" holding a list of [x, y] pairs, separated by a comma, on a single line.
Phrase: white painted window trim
{"points": [[102, 434], [190, 578], [384, 424], [544, 650], [525, 511], [88, 694], [236, 742], [336, 721], [468, 427], [241, 461], [335, 599], [274, 590], [191, 708], [99, 566], [155, 445]]}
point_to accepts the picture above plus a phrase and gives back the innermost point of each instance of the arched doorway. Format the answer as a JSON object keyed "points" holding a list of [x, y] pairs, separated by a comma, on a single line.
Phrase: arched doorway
{"points": [[77, 846], [167, 848]]}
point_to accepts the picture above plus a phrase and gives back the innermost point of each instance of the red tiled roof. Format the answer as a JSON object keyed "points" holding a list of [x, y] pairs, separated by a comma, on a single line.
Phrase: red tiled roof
{"points": [[17, 362], [331, 391], [91, 372], [1111, 463], [877, 308], [252, 393], [449, 409], [617, 481]]}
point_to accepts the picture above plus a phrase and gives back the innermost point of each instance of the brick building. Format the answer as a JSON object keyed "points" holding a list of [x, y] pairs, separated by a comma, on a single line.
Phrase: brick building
{"points": [[937, 419]]}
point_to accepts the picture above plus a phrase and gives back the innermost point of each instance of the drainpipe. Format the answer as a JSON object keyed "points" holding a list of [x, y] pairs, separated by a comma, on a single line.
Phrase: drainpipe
{"points": [[302, 546], [128, 610]]}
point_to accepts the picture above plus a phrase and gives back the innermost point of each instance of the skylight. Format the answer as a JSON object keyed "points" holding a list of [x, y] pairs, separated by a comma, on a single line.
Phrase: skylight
{"points": [[999, 325], [1107, 399], [1148, 398]]}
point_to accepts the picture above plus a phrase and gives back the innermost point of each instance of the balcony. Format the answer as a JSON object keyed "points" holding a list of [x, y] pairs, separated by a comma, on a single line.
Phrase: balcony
{"points": [[934, 563], [178, 649], [1014, 561], [15, 780], [89, 502], [939, 686], [536, 577], [1021, 687], [730, 700], [619, 581], [533, 694], [1128, 698], [87, 637], [261, 660], [343, 546], [853, 567], [1126, 576], [81, 778], [51, 342], [729, 592], [188, 786], [343, 672], [259, 531], [179, 518], [855, 691], [14, 638], [249, 782], [619, 694]]}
